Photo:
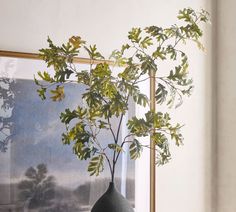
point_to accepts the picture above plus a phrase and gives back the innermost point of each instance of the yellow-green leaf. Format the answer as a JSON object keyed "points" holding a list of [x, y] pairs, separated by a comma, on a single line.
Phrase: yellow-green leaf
{"points": [[58, 94]]}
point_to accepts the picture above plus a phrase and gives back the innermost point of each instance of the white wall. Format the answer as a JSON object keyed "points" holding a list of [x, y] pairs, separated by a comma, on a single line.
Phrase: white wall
{"points": [[184, 184], [26, 24]]}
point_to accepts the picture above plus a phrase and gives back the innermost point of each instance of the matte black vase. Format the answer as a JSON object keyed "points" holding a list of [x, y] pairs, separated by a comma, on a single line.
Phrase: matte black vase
{"points": [[112, 201]]}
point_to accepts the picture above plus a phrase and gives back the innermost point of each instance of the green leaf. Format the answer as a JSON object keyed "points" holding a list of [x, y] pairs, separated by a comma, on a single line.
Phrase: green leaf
{"points": [[82, 151], [93, 53], [139, 127], [159, 139], [199, 45], [172, 52], [83, 77], [131, 72], [103, 124], [115, 147], [161, 94], [58, 94], [159, 53], [42, 92], [177, 75], [93, 99], [45, 76], [63, 74], [69, 115], [101, 70], [118, 57], [36, 81], [154, 30], [78, 133], [186, 14], [96, 165], [147, 41], [134, 35], [54, 56], [65, 139], [140, 99], [176, 135], [94, 114], [204, 15], [147, 63], [76, 42], [118, 105], [106, 111], [124, 47], [135, 149], [163, 155]]}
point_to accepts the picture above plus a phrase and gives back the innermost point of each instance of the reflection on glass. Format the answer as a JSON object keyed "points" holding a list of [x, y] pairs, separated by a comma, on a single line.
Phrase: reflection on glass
{"points": [[37, 172]]}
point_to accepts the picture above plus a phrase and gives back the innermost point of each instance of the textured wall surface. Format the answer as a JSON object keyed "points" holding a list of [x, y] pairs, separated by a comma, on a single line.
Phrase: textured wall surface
{"points": [[226, 102]]}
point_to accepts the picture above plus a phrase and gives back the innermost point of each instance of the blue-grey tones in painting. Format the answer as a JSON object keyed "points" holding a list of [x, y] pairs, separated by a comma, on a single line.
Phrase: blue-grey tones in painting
{"points": [[34, 156]]}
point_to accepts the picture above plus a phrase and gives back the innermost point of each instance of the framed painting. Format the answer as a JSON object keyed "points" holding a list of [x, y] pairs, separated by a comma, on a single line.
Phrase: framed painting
{"points": [[32, 154]]}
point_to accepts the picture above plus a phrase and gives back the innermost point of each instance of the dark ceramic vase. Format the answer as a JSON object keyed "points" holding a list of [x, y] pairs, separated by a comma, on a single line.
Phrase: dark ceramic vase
{"points": [[112, 201]]}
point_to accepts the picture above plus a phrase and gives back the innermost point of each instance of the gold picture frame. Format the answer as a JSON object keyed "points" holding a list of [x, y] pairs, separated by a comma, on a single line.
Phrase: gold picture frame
{"points": [[25, 55]]}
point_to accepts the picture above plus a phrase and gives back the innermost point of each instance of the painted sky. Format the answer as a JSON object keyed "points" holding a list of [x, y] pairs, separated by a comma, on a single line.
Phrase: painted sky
{"points": [[37, 136]]}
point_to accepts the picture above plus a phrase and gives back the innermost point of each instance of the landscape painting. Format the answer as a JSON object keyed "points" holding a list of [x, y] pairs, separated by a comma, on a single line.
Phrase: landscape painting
{"points": [[37, 172]]}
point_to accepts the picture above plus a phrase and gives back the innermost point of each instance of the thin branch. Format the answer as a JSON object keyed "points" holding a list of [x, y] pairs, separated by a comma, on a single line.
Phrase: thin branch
{"points": [[119, 126], [127, 99], [109, 163], [112, 132], [146, 79], [149, 147], [178, 90], [131, 134], [108, 119], [73, 68], [122, 144]]}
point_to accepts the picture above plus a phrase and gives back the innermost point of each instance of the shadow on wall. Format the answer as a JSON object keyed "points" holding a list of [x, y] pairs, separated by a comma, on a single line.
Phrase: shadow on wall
{"points": [[7, 94]]}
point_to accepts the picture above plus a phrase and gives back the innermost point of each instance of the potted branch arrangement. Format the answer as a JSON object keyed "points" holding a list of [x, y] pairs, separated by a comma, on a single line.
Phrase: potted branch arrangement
{"points": [[107, 95]]}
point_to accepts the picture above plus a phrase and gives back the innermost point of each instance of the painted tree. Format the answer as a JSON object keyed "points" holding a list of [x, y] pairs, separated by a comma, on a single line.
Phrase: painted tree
{"points": [[38, 190]]}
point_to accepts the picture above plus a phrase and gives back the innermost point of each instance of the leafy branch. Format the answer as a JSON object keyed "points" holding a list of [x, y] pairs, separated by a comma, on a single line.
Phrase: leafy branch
{"points": [[107, 94]]}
